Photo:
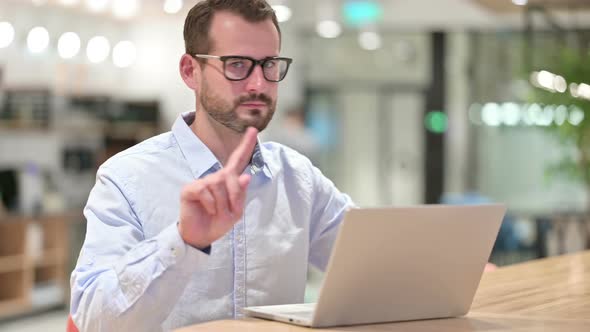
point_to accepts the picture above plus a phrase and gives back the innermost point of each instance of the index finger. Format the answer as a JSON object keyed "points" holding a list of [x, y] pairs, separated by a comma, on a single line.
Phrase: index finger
{"points": [[241, 156]]}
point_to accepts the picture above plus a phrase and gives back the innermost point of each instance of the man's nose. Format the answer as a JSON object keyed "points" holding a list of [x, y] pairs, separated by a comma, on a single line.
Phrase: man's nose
{"points": [[256, 80]]}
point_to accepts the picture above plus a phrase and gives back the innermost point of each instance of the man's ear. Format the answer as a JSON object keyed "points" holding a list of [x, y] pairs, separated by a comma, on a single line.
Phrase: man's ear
{"points": [[191, 75]]}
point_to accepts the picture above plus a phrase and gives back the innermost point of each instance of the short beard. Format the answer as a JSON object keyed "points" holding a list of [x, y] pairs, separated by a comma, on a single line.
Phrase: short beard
{"points": [[227, 115]]}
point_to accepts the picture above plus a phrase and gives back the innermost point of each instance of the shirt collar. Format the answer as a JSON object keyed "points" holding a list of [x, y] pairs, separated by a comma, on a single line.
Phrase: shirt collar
{"points": [[200, 158]]}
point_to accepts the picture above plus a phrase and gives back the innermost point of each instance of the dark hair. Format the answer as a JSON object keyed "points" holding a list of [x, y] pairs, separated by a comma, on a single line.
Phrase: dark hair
{"points": [[198, 20]]}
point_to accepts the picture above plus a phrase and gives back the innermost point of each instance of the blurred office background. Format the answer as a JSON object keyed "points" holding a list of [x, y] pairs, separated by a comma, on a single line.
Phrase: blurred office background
{"points": [[399, 102]]}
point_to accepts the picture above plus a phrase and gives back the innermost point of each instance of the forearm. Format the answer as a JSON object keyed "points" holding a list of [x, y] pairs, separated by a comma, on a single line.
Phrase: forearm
{"points": [[136, 291]]}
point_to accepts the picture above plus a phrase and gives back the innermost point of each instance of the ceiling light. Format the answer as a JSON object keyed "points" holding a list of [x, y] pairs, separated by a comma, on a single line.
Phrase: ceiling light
{"points": [[172, 6], [560, 115], [581, 90], [574, 90], [520, 2], [370, 40], [533, 114], [548, 81], [559, 84], [283, 13], [490, 114], [547, 116], [69, 3], [97, 6], [6, 34], [125, 8], [68, 45], [328, 29], [98, 49], [38, 40], [545, 79], [576, 116], [584, 91], [124, 54], [510, 114]]}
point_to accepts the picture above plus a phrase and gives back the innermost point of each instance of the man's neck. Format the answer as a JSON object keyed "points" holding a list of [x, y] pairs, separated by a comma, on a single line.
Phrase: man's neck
{"points": [[221, 140]]}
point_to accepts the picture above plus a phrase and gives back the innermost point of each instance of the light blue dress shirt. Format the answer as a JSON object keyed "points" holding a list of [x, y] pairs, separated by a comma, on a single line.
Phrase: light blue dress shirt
{"points": [[135, 273]]}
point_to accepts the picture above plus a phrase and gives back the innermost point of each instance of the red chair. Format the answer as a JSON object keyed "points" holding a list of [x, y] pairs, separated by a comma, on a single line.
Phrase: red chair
{"points": [[70, 326]]}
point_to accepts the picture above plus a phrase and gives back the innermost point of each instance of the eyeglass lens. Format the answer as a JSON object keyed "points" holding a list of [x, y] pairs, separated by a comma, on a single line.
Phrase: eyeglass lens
{"points": [[240, 68]]}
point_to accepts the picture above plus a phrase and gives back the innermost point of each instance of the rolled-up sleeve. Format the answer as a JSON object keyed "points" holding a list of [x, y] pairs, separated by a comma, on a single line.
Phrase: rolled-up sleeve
{"points": [[122, 280]]}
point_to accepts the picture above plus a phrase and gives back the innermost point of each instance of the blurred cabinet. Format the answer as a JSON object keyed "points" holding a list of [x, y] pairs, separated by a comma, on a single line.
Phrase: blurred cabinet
{"points": [[33, 264], [16, 273], [122, 123], [26, 108]]}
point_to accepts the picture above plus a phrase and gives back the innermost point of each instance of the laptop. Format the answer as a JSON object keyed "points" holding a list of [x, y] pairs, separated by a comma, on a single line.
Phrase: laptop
{"points": [[399, 264]]}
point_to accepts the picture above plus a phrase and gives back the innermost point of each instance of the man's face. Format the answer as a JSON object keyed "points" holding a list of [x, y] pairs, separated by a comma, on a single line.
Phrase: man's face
{"points": [[252, 101]]}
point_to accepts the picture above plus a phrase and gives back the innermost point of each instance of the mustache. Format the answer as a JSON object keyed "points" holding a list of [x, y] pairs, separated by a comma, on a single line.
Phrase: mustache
{"points": [[256, 97]]}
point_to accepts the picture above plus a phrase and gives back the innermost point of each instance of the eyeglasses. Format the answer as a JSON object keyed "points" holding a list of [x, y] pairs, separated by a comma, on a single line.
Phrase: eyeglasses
{"points": [[237, 68]]}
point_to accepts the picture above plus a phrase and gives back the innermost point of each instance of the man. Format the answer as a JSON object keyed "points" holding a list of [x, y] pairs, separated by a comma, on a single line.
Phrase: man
{"points": [[197, 223]]}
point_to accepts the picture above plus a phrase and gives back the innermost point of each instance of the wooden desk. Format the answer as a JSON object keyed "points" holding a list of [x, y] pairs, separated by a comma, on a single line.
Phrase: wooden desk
{"points": [[544, 295], [557, 287]]}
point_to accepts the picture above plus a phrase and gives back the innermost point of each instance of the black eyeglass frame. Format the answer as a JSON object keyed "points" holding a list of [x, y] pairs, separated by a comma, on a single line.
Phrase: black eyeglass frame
{"points": [[255, 62]]}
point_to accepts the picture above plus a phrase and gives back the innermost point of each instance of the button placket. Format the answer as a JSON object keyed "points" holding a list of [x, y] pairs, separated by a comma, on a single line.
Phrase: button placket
{"points": [[239, 261]]}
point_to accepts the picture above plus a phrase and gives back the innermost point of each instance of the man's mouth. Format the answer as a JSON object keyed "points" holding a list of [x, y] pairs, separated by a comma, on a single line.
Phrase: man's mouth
{"points": [[253, 104]]}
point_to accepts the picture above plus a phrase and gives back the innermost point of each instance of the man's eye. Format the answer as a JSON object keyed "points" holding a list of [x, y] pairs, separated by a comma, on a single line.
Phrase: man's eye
{"points": [[270, 64], [237, 64]]}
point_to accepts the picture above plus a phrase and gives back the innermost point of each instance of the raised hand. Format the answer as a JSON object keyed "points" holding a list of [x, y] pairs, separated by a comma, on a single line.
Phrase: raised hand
{"points": [[209, 207]]}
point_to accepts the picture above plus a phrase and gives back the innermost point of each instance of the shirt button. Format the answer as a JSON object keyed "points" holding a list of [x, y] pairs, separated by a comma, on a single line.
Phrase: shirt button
{"points": [[173, 251]]}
